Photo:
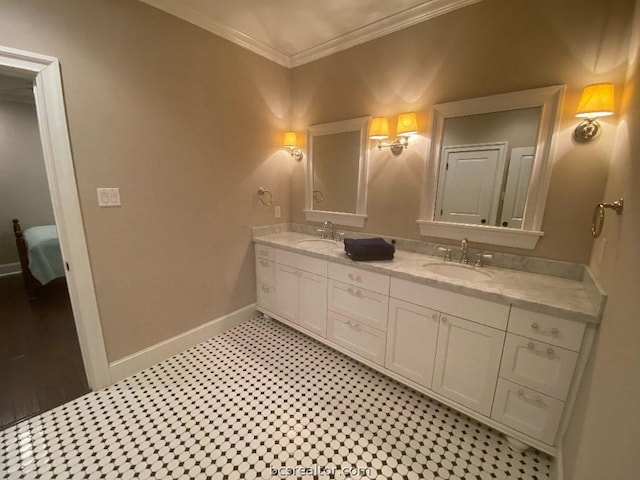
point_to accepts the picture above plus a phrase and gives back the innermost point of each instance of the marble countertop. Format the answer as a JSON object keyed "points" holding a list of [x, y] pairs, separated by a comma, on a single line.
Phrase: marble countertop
{"points": [[561, 297]]}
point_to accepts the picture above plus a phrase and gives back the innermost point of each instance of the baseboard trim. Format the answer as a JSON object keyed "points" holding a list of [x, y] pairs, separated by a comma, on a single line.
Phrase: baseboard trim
{"points": [[9, 269], [134, 363]]}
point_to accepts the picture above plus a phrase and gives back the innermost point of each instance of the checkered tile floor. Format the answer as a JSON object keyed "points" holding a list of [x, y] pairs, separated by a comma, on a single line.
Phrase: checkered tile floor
{"points": [[259, 401]]}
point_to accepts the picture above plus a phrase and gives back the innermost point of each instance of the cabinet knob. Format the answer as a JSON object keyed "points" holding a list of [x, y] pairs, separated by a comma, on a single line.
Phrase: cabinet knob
{"points": [[264, 263], [444, 319], [354, 277], [434, 316]]}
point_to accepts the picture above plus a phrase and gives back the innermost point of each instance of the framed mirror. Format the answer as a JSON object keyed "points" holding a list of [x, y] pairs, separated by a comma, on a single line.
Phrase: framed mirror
{"points": [[336, 172], [489, 166]]}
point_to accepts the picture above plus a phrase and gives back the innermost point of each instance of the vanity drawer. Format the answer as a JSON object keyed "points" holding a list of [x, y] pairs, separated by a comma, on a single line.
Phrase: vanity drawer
{"points": [[265, 271], [488, 313], [376, 282], [527, 411], [266, 296], [359, 304], [262, 251], [301, 262], [553, 330], [541, 366], [357, 337]]}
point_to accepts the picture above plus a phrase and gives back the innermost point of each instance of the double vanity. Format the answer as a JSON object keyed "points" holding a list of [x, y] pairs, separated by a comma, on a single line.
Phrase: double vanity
{"points": [[505, 347]]}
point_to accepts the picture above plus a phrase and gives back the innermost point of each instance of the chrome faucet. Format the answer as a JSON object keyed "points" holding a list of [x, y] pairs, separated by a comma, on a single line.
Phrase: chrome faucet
{"points": [[327, 227], [464, 247]]}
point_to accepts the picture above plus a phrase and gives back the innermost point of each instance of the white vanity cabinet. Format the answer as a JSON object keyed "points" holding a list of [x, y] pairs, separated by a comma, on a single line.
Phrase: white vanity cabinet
{"points": [[265, 277], [506, 366], [467, 362], [301, 290], [412, 335]]}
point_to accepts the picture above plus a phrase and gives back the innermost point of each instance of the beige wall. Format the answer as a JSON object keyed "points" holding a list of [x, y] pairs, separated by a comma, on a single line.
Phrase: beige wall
{"points": [[188, 126], [603, 440], [491, 47], [24, 193]]}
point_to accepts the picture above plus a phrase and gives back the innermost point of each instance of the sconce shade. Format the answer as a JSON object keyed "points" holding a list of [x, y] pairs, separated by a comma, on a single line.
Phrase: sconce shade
{"points": [[290, 139], [596, 101], [379, 129], [407, 124]]}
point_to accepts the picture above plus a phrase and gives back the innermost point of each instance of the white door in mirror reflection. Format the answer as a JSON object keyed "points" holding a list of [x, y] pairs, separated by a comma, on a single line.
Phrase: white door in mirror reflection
{"points": [[470, 181], [517, 185]]}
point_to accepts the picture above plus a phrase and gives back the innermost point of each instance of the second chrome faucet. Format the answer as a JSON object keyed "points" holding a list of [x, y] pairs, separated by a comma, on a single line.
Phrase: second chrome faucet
{"points": [[464, 254]]}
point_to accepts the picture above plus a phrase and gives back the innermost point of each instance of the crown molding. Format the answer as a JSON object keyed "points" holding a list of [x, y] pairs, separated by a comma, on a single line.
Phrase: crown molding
{"points": [[393, 23], [191, 15]]}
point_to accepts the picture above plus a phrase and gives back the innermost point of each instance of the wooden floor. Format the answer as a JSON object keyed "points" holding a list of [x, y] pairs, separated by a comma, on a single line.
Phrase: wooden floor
{"points": [[40, 361]]}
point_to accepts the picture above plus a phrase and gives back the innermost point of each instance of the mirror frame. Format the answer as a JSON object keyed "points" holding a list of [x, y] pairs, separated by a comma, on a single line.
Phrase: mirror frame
{"points": [[550, 99], [358, 218]]}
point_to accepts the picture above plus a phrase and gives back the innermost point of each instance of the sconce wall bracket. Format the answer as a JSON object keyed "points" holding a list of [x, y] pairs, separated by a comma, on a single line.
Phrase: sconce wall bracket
{"points": [[396, 147], [296, 153], [586, 130]]}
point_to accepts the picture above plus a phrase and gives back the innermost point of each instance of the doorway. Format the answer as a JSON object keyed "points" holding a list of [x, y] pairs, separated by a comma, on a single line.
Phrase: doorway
{"points": [[40, 359], [44, 72]]}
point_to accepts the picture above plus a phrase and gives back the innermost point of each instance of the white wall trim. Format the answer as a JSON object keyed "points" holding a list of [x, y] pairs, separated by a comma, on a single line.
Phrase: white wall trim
{"points": [[506, 237], [148, 357], [9, 269], [189, 14], [54, 134], [407, 18], [385, 26]]}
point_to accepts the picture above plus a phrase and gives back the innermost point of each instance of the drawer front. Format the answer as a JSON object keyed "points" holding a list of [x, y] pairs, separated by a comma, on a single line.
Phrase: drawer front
{"points": [[301, 262], [527, 411], [359, 304], [553, 330], [491, 314], [262, 251], [376, 282], [541, 366], [356, 337], [266, 296], [265, 271]]}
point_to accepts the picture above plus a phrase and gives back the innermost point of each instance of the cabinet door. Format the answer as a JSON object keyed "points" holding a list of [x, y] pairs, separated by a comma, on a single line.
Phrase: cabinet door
{"points": [[412, 335], [467, 362], [313, 303], [287, 292]]}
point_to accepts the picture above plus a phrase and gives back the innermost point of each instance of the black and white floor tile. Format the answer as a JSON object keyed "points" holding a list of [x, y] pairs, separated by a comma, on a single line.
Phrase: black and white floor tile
{"points": [[259, 401]]}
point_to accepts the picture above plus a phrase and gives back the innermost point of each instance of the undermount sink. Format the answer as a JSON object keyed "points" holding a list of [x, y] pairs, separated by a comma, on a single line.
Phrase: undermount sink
{"points": [[458, 271], [318, 242]]}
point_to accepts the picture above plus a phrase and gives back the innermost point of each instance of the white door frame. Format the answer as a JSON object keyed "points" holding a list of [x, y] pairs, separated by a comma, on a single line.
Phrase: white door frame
{"points": [[54, 134]]}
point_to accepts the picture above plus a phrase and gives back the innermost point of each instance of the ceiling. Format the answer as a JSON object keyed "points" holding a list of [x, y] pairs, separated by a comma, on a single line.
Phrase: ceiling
{"points": [[294, 32]]}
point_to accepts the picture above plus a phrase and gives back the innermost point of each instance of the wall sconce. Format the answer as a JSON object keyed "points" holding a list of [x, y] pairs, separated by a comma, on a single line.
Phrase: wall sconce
{"points": [[407, 126], [290, 141], [596, 102]]}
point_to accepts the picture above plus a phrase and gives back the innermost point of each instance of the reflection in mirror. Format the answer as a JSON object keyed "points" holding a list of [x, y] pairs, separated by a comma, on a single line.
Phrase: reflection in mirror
{"points": [[489, 167], [336, 177], [485, 166], [335, 171]]}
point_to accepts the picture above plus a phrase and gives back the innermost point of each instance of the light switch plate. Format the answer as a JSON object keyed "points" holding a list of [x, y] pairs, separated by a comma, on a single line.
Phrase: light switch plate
{"points": [[109, 197]]}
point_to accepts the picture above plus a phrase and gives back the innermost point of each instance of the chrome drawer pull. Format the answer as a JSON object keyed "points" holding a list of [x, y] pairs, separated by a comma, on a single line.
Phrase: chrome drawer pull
{"points": [[353, 325], [355, 293], [356, 278], [545, 331], [549, 352], [264, 263], [537, 400]]}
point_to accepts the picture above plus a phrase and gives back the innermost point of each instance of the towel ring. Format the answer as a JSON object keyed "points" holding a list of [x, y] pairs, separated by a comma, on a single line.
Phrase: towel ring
{"points": [[318, 196], [261, 193], [597, 222]]}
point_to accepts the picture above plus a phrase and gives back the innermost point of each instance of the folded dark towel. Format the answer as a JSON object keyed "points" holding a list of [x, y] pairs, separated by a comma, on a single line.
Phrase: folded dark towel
{"points": [[368, 249]]}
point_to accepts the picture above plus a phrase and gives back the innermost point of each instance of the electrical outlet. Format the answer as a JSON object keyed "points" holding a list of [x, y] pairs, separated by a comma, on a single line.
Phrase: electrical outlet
{"points": [[109, 197], [278, 212]]}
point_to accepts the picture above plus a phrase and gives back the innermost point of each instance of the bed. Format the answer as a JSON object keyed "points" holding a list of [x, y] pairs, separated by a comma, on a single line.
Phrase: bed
{"points": [[40, 256]]}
